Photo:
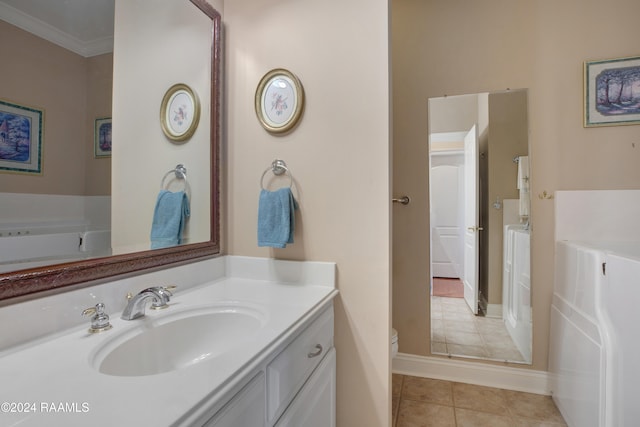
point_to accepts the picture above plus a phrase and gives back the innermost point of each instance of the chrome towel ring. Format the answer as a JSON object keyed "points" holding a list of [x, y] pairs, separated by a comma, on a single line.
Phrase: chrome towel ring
{"points": [[181, 173], [278, 167]]}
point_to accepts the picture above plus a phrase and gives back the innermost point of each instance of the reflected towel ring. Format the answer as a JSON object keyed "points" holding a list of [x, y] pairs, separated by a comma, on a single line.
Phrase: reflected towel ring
{"points": [[181, 173], [278, 167]]}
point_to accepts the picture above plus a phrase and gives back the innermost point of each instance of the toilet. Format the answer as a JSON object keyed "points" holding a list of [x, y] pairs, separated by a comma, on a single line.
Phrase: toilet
{"points": [[394, 343]]}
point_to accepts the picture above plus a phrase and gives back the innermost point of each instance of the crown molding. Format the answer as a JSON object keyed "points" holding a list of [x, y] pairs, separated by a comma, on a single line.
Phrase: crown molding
{"points": [[54, 35]]}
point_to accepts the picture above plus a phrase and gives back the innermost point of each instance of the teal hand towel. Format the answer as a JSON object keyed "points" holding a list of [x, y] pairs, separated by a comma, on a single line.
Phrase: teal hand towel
{"points": [[169, 218], [276, 217]]}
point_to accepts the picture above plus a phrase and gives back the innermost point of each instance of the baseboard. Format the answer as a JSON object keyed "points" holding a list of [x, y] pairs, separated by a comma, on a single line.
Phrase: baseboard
{"points": [[494, 310], [470, 372]]}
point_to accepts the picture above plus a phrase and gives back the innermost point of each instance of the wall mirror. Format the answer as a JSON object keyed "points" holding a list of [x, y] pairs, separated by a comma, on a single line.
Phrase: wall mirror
{"points": [[480, 226], [128, 257]]}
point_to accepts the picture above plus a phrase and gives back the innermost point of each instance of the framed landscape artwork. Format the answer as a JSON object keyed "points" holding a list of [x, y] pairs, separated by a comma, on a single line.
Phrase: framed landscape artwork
{"points": [[20, 138], [612, 92], [102, 137]]}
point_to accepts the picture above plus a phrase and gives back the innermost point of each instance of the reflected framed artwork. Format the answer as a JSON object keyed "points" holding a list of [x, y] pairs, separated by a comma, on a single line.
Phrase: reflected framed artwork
{"points": [[612, 92], [20, 138], [102, 137], [279, 101], [179, 112]]}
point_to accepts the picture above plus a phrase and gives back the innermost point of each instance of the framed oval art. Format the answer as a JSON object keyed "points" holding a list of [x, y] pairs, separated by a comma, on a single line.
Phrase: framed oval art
{"points": [[179, 112], [279, 101]]}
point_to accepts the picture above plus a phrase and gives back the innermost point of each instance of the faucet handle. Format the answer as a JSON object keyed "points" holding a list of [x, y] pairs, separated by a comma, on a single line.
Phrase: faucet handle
{"points": [[100, 319], [169, 288], [166, 294]]}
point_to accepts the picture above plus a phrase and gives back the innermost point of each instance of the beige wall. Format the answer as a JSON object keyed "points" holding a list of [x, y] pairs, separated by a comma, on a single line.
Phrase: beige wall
{"points": [[42, 75], [339, 156], [540, 45], [174, 47], [99, 93], [508, 138]]}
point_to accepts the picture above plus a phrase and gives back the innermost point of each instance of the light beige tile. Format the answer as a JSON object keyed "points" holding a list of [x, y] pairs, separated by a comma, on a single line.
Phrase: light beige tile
{"points": [[396, 384], [533, 407], [504, 353], [437, 331], [438, 347], [457, 315], [455, 305], [429, 402], [395, 403], [427, 390], [466, 338], [437, 324], [498, 340], [466, 350], [489, 326], [460, 326], [469, 418], [438, 336], [522, 422], [423, 414], [480, 398]]}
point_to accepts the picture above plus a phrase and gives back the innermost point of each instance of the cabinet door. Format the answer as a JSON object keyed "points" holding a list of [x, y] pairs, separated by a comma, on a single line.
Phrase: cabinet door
{"points": [[246, 409], [315, 404]]}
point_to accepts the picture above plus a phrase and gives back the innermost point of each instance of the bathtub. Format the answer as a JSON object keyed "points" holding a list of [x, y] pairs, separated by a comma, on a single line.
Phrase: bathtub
{"points": [[594, 347], [32, 245]]}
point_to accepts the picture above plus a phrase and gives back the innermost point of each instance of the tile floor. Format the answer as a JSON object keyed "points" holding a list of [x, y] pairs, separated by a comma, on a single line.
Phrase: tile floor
{"points": [[425, 402], [457, 331]]}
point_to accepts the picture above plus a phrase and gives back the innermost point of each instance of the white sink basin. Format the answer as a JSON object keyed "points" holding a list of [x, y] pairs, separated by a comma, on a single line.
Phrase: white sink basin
{"points": [[177, 340]]}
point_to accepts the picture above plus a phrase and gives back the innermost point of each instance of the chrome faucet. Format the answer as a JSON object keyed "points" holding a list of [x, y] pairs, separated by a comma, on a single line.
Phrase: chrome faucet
{"points": [[135, 307]]}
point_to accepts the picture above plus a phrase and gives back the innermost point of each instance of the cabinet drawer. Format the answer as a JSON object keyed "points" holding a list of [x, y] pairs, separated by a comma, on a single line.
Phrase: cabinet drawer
{"points": [[315, 405], [287, 373]]}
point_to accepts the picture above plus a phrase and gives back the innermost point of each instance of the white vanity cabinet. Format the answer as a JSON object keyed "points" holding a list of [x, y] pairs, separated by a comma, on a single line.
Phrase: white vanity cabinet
{"points": [[315, 405], [245, 409], [295, 386]]}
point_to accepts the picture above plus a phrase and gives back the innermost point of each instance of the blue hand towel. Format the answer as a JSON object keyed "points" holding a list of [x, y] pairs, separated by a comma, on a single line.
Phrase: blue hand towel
{"points": [[169, 218], [276, 217]]}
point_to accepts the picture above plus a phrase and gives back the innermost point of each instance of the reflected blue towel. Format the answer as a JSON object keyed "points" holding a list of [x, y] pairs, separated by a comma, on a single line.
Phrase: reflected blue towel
{"points": [[276, 211], [169, 218]]}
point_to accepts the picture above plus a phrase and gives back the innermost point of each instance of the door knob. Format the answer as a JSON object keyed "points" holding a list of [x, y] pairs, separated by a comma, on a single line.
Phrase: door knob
{"points": [[474, 229]]}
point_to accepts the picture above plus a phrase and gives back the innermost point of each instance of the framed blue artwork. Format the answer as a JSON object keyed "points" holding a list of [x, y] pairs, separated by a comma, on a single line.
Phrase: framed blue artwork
{"points": [[102, 137], [20, 138], [612, 92]]}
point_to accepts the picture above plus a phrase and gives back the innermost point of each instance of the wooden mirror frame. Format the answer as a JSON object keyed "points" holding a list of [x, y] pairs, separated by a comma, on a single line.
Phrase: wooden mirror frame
{"points": [[51, 278]]}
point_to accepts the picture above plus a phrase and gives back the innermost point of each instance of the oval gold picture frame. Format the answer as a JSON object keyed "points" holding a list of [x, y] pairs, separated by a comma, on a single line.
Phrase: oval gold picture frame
{"points": [[279, 101], [179, 112]]}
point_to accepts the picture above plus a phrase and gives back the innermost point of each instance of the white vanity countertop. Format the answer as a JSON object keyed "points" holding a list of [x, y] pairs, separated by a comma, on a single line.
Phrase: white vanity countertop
{"points": [[56, 372]]}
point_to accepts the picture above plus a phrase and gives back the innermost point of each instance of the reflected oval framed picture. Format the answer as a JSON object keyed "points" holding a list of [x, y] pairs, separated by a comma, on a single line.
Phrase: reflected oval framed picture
{"points": [[179, 112], [279, 101]]}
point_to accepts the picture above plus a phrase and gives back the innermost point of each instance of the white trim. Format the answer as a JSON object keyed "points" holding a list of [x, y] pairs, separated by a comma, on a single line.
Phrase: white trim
{"points": [[494, 310], [54, 35], [505, 377], [447, 136]]}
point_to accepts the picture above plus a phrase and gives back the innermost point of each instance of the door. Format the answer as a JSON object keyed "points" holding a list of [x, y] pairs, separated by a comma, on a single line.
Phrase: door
{"points": [[471, 219], [446, 212]]}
